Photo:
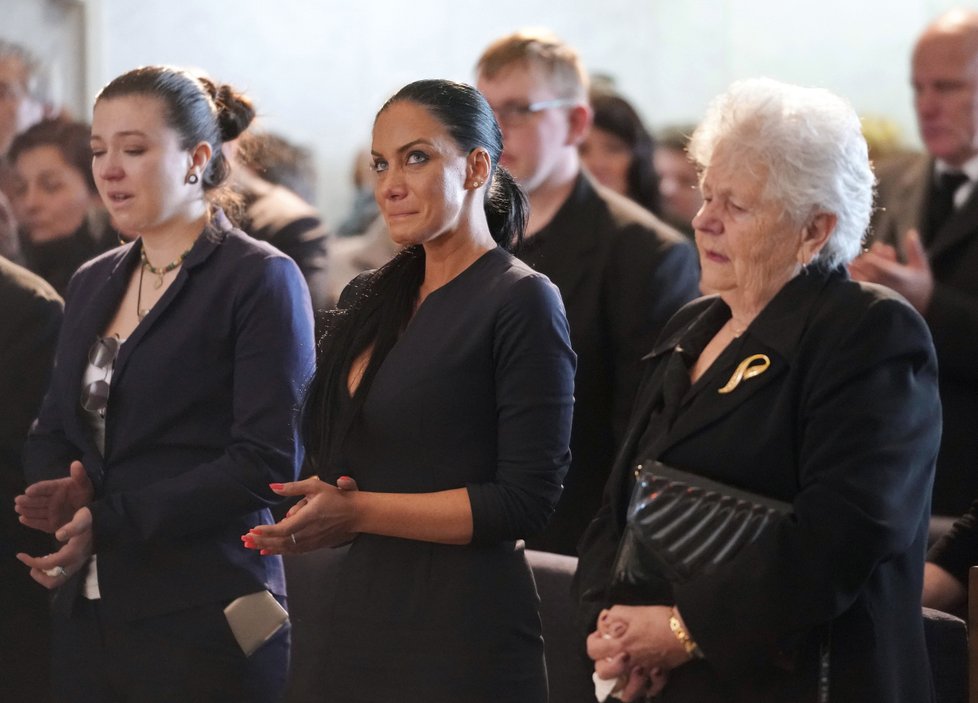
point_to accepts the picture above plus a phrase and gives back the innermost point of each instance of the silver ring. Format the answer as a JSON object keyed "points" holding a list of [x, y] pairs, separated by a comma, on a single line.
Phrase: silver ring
{"points": [[293, 539], [57, 571]]}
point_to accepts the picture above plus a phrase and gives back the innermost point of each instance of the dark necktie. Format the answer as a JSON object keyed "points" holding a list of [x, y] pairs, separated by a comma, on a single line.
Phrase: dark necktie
{"points": [[942, 202]]}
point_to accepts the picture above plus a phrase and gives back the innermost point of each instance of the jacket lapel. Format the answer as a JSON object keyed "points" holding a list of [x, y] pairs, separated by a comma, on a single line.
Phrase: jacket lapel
{"points": [[913, 200], [962, 225], [771, 339], [205, 245]]}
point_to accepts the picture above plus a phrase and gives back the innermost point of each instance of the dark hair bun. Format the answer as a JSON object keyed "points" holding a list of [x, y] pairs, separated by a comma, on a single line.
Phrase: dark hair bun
{"points": [[234, 111]]}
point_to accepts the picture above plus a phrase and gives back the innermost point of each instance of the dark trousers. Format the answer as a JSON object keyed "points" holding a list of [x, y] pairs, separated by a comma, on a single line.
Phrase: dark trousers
{"points": [[191, 655]]}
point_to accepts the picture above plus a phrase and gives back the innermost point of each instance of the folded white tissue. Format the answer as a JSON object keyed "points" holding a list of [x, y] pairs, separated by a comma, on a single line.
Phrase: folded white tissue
{"points": [[603, 687]]}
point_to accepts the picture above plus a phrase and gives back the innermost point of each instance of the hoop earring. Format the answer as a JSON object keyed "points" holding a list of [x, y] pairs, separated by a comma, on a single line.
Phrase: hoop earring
{"points": [[192, 179]]}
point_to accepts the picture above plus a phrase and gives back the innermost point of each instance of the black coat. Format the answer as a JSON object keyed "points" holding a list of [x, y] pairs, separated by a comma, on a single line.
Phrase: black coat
{"points": [[844, 425], [622, 274], [30, 316], [904, 196]]}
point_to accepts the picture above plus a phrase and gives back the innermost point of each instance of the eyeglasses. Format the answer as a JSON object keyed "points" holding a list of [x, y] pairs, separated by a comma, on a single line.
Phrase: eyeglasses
{"points": [[102, 355], [516, 114]]}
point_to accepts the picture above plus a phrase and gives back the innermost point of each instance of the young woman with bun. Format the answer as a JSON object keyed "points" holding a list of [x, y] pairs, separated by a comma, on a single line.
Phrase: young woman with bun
{"points": [[182, 359]]}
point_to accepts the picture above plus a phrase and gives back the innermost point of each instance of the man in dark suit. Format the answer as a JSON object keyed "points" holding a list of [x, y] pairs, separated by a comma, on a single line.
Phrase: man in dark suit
{"points": [[622, 273], [926, 238], [30, 315]]}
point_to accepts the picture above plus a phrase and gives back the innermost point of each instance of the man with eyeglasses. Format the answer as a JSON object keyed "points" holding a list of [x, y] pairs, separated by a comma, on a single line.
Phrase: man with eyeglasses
{"points": [[622, 272]]}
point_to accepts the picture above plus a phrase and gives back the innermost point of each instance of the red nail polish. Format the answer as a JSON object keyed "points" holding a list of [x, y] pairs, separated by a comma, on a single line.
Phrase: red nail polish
{"points": [[276, 486], [264, 552], [345, 477]]}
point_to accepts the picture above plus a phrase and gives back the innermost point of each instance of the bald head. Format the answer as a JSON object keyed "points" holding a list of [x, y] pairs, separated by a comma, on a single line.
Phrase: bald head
{"points": [[945, 84]]}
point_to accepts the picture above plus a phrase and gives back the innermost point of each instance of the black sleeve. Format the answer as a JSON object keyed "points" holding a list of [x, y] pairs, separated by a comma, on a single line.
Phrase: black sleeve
{"points": [[534, 404]]}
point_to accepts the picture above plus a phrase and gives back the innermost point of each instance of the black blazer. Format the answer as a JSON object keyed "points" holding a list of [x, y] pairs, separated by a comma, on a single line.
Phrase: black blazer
{"points": [[201, 418], [904, 189], [844, 425], [622, 274]]}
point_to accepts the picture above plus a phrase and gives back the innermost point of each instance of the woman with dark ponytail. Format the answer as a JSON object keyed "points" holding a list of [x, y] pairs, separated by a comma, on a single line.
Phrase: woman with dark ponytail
{"points": [[182, 359], [437, 425]]}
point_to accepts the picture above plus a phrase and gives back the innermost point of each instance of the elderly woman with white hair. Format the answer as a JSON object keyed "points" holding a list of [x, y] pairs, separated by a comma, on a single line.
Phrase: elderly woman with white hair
{"points": [[805, 398]]}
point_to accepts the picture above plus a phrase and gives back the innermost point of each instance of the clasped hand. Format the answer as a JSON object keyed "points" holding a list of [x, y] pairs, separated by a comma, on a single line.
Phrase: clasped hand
{"points": [[324, 517], [59, 506], [635, 645]]}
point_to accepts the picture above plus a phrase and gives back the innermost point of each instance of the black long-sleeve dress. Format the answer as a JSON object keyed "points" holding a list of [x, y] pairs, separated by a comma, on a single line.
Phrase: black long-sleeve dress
{"points": [[477, 393]]}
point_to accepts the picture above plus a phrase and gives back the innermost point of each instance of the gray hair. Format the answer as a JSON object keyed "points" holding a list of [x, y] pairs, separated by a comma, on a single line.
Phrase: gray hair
{"points": [[809, 144], [40, 81]]}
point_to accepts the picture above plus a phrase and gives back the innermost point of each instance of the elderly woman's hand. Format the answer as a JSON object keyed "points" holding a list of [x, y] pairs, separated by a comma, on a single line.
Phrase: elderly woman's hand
{"points": [[322, 518], [54, 569], [632, 639]]}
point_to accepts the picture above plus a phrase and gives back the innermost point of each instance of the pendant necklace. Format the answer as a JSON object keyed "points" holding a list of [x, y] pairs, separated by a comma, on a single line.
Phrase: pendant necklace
{"points": [[159, 273]]}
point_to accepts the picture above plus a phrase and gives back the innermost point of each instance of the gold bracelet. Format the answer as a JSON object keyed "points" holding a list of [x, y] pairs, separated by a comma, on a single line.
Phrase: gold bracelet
{"points": [[692, 649]]}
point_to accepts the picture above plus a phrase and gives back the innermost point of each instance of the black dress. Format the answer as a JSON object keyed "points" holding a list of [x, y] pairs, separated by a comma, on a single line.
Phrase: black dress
{"points": [[477, 392]]}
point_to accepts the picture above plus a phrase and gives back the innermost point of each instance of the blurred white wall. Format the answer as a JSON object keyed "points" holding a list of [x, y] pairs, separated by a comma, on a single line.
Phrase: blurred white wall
{"points": [[319, 69]]}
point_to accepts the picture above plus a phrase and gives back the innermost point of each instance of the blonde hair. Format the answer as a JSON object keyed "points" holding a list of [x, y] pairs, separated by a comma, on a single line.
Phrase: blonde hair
{"points": [[540, 49]]}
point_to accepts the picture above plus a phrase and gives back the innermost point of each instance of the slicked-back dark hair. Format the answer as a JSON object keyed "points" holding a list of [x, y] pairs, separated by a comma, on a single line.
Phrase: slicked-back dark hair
{"points": [[384, 301]]}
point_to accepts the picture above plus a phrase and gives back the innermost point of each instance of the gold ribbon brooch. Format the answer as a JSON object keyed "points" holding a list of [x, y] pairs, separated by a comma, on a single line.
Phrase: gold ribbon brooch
{"points": [[752, 366]]}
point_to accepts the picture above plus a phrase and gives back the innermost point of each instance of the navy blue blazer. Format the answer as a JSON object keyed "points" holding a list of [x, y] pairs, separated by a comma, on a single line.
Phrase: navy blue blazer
{"points": [[202, 416]]}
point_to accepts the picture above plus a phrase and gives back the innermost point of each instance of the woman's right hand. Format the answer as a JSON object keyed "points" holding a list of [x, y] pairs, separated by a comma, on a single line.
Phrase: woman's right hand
{"points": [[47, 505], [322, 518]]}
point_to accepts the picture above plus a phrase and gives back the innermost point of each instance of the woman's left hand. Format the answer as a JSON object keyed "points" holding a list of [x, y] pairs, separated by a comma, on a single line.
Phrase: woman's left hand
{"points": [[322, 518], [634, 637], [54, 569]]}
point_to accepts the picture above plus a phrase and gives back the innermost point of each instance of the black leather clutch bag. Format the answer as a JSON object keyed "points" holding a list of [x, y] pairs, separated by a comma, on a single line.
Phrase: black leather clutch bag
{"points": [[680, 525]]}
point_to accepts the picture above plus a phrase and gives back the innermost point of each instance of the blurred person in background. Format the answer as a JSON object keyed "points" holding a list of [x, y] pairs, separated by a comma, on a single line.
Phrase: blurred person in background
{"points": [[363, 210], [62, 220], [925, 237], [27, 95], [679, 185], [617, 150], [279, 161], [277, 215], [621, 271]]}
